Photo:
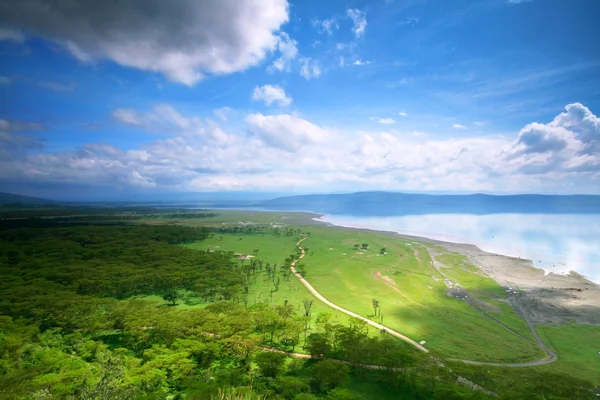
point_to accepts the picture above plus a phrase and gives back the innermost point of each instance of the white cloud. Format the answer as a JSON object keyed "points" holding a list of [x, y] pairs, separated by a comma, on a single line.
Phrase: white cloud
{"points": [[459, 126], [310, 69], [342, 62], [410, 21], [361, 62], [185, 41], [569, 143], [288, 152], [271, 94], [126, 116], [326, 25], [360, 21], [165, 119], [517, 1], [288, 49], [285, 131], [11, 34], [402, 114], [223, 113], [383, 121]]}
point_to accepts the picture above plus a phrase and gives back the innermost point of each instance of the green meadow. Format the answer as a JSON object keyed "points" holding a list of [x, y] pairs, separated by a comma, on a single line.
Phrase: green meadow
{"points": [[412, 295]]}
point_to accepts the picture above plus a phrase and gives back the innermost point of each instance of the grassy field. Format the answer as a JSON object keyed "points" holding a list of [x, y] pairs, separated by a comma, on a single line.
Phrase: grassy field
{"points": [[411, 293], [577, 348], [273, 250]]}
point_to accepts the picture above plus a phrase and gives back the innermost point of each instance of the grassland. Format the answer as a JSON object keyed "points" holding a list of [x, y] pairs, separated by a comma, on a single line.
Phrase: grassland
{"points": [[577, 347], [412, 294], [272, 250]]}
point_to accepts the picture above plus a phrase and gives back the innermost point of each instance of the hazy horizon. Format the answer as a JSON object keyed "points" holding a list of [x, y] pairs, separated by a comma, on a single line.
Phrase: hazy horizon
{"points": [[298, 97]]}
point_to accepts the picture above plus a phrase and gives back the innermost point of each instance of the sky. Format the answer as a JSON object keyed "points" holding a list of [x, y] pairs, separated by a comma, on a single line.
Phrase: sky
{"points": [[145, 98]]}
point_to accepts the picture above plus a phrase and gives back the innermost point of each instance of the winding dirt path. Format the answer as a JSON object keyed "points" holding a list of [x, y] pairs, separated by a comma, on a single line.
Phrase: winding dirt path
{"points": [[347, 312], [550, 357]]}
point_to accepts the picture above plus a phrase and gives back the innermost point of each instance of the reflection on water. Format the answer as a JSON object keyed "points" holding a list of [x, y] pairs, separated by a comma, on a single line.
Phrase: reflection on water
{"points": [[555, 242]]}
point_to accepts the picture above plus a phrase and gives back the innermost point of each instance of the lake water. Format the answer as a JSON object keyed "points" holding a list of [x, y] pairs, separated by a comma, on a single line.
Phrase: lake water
{"points": [[557, 243]]}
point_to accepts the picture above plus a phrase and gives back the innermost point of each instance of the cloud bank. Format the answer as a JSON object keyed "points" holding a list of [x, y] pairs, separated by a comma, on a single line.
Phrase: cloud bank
{"points": [[288, 152]]}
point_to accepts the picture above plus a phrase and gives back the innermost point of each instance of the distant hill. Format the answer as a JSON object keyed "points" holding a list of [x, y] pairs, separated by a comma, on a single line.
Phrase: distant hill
{"points": [[10, 199], [388, 203]]}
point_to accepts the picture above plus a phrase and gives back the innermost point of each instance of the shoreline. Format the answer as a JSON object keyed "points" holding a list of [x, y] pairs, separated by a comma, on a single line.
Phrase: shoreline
{"points": [[546, 297], [461, 243]]}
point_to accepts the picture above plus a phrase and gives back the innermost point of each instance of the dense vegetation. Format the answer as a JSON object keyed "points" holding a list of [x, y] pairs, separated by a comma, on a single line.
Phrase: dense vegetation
{"points": [[75, 323]]}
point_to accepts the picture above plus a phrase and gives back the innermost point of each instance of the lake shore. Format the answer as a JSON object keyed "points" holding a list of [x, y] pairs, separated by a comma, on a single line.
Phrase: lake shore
{"points": [[546, 297]]}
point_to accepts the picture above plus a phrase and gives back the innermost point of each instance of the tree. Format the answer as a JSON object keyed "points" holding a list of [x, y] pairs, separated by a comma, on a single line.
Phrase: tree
{"points": [[317, 345], [342, 394], [171, 295], [305, 396], [365, 246], [327, 375], [290, 386], [383, 251], [356, 246], [308, 307], [375, 303], [270, 363]]}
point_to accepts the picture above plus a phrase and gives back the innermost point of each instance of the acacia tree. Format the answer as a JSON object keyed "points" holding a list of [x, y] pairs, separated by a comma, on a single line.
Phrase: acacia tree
{"points": [[308, 307], [172, 296], [375, 303]]}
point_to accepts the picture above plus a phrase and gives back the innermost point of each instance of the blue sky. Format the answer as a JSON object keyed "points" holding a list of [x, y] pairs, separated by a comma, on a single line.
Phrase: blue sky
{"points": [[305, 96]]}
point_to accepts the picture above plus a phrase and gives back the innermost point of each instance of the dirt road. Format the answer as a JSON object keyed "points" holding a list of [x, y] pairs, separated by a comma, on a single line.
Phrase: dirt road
{"points": [[352, 314], [551, 357]]}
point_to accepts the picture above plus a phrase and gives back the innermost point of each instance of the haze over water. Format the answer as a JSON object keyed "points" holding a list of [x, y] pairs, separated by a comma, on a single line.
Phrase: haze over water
{"points": [[557, 243]]}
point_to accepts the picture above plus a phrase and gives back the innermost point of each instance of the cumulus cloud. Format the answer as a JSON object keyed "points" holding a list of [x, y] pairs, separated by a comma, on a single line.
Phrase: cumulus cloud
{"points": [[361, 62], [184, 41], [570, 142], [285, 151], [271, 94], [459, 126], [360, 21], [285, 131], [310, 69], [288, 49], [383, 121], [402, 114]]}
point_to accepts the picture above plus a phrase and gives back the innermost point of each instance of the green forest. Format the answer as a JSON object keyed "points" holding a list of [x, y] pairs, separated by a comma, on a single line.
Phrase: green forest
{"points": [[77, 322]]}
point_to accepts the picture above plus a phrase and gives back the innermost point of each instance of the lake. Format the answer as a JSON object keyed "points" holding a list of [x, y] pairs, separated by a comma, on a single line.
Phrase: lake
{"points": [[554, 242]]}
